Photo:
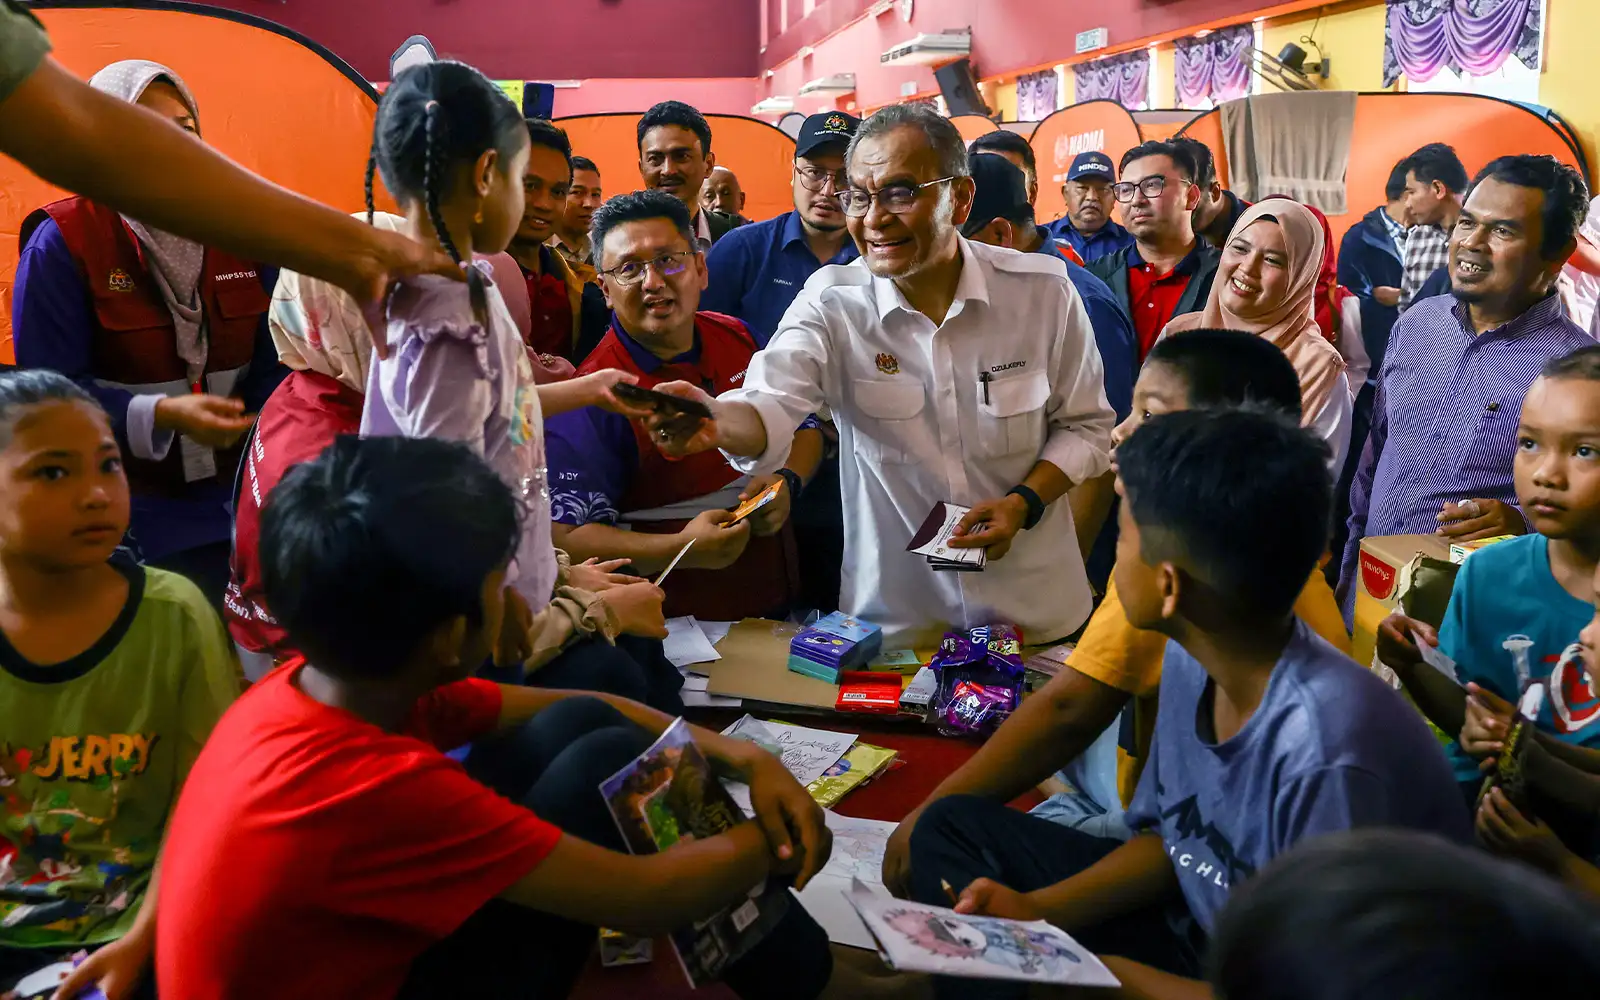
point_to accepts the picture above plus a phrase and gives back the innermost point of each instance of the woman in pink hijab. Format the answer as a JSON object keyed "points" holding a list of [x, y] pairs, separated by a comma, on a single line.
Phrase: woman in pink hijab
{"points": [[1267, 284]]}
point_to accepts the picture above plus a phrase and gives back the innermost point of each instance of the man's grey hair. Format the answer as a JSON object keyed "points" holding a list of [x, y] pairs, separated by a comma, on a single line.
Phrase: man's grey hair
{"points": [[942, 135]]}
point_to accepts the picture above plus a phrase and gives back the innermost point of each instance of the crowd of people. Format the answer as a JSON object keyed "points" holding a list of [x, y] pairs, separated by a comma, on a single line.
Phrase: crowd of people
{"points": [[325, 546]]}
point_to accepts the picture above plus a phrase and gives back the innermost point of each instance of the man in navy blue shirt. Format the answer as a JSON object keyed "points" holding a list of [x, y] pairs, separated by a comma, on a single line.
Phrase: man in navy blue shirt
{"points": [[1001, 216], [1087, 226], [757, 270], [755, 273]]}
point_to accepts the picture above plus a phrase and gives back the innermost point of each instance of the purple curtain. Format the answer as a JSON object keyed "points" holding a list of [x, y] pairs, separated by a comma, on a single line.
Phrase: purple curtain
{"points": [[1214, 66], [1124, 79], [1038, 95], [1468, 37]]}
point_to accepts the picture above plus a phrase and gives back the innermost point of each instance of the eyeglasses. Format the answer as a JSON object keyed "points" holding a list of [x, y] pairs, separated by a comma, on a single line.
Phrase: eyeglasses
{"points": [[667, 265], [896, 198], [816, 179], [1150, 187]]}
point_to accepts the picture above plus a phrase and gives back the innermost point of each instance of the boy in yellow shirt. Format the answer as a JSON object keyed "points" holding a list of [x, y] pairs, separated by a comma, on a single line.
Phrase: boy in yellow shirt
{"points": [[1070, 721]]}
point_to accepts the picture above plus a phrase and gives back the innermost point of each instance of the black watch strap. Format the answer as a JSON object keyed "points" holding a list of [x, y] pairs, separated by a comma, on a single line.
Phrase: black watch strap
{"points": [[1035, 505], [793, 479]]}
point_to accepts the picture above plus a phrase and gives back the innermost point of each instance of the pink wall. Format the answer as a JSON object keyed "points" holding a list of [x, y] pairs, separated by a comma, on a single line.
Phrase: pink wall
{"points": [[726, 96], [1007, 36], [535, 39]]}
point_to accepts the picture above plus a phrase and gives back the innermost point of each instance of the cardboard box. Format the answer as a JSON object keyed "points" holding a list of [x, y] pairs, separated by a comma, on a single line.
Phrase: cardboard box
{"points": [[1383, 574], [1460, 550]]}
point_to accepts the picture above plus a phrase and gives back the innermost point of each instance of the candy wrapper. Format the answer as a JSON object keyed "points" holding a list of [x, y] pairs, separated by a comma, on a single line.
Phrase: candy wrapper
{"points": [[996, 647], [967, 706]]}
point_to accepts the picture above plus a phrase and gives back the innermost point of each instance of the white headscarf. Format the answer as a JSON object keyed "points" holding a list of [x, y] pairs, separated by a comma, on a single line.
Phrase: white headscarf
{"points": [[175, 263]]}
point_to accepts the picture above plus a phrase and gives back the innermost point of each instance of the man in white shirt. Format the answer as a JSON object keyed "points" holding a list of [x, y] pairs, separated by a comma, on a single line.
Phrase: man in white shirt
{"points": [[955, 372]]}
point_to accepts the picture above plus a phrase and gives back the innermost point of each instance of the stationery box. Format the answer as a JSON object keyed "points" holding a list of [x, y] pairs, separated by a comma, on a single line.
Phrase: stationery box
{"points": [[835, 643], [1383, 575], [864, 691], [1460, 550]]}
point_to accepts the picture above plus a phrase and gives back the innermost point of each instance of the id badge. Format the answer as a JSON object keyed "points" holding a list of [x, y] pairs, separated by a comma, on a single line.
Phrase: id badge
{"points": [[199, 462]]}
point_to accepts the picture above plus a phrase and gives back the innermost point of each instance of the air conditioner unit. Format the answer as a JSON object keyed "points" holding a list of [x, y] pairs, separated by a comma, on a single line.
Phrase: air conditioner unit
{"points": [[880, 8], [838, 83], [772, 106], [930, 49]]}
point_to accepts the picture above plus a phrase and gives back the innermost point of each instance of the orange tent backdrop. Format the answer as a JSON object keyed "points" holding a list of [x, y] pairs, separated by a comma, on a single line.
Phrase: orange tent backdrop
{"points": [[277, 103], [760, 154], [1093, 126], [972, 126], [1389, 127]]}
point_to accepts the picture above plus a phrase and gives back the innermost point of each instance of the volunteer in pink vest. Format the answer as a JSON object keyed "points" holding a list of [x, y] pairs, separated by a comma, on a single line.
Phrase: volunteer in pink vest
{"points": [[170, 336]]}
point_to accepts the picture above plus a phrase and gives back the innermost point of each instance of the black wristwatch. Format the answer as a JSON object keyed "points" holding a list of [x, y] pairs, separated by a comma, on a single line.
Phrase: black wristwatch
{"points": [[1035, 505], [793, 479]]}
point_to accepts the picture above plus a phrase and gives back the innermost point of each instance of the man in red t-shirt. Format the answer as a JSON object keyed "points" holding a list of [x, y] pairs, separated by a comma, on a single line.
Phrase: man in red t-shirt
{"points": [[1168, 270], [324, 845]]}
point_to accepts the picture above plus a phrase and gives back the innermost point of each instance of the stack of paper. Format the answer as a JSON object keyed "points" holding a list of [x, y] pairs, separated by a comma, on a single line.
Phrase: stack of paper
{"points": [[690, 643], [858, 846], [932, 541]]}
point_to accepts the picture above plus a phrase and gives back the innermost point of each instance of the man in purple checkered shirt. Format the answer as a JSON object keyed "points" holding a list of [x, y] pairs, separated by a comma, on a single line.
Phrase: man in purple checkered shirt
{"points": [[1444, 426]]}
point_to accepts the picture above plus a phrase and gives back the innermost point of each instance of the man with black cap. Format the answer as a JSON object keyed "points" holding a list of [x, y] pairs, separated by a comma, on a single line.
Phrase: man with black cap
{"points": [[1001, 216], [757, 270], [755, 273], [1087, 226]]}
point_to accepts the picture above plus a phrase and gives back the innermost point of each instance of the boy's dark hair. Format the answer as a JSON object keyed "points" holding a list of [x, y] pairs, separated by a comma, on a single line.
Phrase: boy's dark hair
{"points": [[636, 206], [432, 117], [542, 132], [679, 114], [1438, 162], [1003, 140], [584, 163], [21, 388], [377, 542], [1181, 156], [1396, 188], [1391, 913], [1240, 497], [1584, 364], [1205, 162], [1566, 196], [1230, 368]]}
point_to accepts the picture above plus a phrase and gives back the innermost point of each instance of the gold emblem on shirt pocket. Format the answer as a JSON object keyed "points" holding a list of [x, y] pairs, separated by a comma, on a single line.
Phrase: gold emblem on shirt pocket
{"points": [[1011, 413], [892, 409]]}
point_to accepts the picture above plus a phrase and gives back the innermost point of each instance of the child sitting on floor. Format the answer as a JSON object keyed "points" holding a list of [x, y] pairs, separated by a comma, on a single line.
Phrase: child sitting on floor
{"points": [[1266, 735], [326, 845], [111, 676], [1518, 605]]}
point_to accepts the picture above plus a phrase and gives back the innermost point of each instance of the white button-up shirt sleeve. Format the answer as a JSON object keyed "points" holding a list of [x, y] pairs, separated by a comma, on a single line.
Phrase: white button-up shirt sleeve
{"points": [[1080, 419], [786, 382]]}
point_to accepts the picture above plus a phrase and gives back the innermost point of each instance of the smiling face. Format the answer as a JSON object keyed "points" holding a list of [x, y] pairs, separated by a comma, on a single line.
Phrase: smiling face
{"points": [[163, 98], [900, 246], [1253, 275], [1088, 204], [545, 184], [1557, 466], [583, 197], [1166, 216], [661, 307], [63, 496], [1495, 254], [671, 159]]}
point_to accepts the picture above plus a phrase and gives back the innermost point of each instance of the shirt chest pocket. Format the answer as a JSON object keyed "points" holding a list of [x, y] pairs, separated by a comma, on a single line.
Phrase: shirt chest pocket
{"points": [[1011, 413], [891, 410]]}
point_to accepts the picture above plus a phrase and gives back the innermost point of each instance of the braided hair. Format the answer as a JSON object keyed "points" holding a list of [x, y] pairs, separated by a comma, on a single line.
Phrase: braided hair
{"points": [[432, 119]]}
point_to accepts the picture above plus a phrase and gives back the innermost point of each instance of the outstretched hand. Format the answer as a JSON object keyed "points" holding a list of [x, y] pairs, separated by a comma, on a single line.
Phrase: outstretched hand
{"points": [[678, 435], [388, 259]]}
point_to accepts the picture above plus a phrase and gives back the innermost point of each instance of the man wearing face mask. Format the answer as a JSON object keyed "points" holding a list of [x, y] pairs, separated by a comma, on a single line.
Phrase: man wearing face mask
{"points": [[612, 493], [1168, 270], [1087, 227], [675, 156], [1449, 399], [955, 372]]}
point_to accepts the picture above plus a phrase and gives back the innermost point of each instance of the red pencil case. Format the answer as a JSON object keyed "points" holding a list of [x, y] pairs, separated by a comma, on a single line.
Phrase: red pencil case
{"points": [[864, 691]]}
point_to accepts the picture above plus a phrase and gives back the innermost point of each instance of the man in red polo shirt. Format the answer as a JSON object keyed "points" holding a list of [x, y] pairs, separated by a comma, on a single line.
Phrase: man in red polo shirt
{"points": [[613, 494], [569, 315], [1168, 271]]}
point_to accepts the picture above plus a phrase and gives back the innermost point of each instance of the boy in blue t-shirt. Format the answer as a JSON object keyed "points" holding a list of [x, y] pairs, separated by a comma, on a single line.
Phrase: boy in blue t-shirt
{"points": [[1517, 606], [1267, 736]]}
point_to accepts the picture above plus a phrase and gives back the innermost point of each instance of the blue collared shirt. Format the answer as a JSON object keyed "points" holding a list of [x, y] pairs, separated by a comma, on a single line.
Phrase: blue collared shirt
{"points": [[1108, 240], [757, 270]]}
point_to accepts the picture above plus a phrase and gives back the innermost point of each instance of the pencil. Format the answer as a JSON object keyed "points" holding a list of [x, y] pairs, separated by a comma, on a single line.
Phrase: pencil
{"points": [[949, 891], [674, 563]]}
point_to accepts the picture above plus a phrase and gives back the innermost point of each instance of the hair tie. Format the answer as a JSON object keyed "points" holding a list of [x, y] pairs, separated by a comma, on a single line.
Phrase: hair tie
{"points": [[430, 105]]}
